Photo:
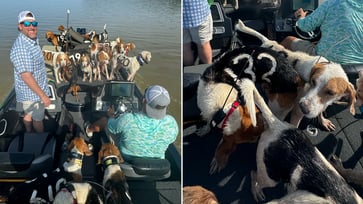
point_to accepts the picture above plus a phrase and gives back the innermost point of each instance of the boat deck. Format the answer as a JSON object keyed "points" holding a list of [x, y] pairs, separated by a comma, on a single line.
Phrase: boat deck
{"points": [[232, 184]]}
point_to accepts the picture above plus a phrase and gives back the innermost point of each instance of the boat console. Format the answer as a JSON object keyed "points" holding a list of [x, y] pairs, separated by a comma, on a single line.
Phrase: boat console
{"points": [[120, 95]]}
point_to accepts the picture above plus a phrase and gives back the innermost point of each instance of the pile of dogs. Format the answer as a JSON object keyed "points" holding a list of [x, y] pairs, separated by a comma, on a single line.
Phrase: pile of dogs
{"points": [[66, 184], [288, 82], [101, 59]]}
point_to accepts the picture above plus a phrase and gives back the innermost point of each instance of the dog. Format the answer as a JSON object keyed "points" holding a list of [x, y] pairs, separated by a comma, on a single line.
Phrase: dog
{"points": [[74, 89], [98, 37], [114, 180], [41, 189], [102, 63], [56, 60], [74, 192], [77, 148], [133, 64], [86, 67], [326, 82], [198, 195], [359, 84], [217, 92], [56, 39], [285, 154]]}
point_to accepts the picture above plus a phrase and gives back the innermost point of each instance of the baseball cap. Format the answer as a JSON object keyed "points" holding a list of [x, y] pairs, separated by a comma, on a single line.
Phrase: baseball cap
{"points": [[157, 99], [23, 16]]}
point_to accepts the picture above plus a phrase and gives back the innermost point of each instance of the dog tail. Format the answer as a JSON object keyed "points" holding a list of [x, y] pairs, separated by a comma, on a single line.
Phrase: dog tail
{"points": [[104, 28], [248, 94], [240, 26]]}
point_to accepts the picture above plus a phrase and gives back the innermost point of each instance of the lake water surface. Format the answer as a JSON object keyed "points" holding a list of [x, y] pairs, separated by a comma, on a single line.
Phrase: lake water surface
{"points": [[151, 25]]}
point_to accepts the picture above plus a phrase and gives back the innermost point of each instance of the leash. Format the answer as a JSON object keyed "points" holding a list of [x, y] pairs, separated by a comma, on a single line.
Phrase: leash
{"points": [[220, 115]]}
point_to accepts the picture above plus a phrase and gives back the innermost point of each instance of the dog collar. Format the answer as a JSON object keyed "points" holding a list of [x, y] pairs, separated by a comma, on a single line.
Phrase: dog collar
{"points": [[234, 107], [140, 60], [110, 160], [75, 155]]}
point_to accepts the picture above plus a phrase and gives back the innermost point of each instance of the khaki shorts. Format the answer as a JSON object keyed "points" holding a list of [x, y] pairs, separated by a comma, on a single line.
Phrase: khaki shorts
{"points": [[35, 109], [200, 34], [303, 46]]}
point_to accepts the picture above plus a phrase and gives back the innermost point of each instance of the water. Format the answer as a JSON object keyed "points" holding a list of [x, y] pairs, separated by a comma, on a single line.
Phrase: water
{"points": [[151, 25]]}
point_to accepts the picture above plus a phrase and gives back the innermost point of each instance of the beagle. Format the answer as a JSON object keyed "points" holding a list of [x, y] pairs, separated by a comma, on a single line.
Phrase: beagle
{"points": [[217, 93], [133, 64], [326, 82], [102, 63], [75, 192], [285, 154], [77, 148], [56, 60], [114, 180], [198, 195], [86, 67], [55, 39]]}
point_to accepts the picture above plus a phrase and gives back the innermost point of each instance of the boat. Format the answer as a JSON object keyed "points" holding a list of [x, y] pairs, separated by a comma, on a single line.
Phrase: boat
{"points": [[26, 156], [275, 20]]}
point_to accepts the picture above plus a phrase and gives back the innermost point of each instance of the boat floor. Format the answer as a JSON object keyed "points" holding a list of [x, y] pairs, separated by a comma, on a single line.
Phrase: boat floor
{"points": [[232, 184]]}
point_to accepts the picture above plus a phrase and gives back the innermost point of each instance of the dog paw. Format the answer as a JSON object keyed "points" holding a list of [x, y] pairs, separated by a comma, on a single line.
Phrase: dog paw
{"points": [[327, 124], [256, 189], [215, 167], [336, 162]]}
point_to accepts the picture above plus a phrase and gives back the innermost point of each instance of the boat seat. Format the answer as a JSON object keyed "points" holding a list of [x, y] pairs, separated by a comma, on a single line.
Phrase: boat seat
{"points": [[146, 169], [28, 156]]}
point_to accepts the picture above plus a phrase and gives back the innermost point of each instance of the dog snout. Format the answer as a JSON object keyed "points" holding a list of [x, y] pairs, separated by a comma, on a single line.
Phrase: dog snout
{"points": [[304, 106]]}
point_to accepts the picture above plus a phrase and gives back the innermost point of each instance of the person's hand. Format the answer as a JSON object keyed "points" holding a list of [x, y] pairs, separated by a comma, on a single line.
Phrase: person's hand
{"points": [[111, 111], [300, 13], [46, 101]]}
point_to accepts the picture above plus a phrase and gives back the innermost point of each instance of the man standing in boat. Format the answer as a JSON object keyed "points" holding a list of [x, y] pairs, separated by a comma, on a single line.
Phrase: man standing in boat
{"points": [[30, 76]]}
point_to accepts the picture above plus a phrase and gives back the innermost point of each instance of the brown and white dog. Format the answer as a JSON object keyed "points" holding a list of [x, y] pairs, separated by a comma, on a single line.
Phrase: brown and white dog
{"points": [[77, 148], [56, 60], [114, 180], [326, 82], [98, 37], [285, 154], [133, 64], [217, 94], [86, 67], [102, 63], [76, 192], [198, 195]]}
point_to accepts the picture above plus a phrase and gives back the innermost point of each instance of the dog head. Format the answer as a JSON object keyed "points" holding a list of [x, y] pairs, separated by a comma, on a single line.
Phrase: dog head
{"points": [[76, 149], [146, 56], [328, 84], [63, 59], [198, 194], [109, 149]]}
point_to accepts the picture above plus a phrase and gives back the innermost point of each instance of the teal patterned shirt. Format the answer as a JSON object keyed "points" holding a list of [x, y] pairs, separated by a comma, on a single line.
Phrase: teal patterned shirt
{"points": [[138, 135], [341, 24]]}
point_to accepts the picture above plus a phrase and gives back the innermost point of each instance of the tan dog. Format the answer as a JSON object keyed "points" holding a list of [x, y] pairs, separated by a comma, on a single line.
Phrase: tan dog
{"points": [[326, 82], [198, 195], [77, 148], [56, 60], [114, 179], [55, 39], [133, 64], [359, 84], [103, 60], [86, 67]]}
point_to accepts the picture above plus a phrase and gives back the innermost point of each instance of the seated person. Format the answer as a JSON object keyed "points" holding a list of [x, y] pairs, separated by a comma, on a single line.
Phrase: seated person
{"points": [[146, 134], [340, 23]]}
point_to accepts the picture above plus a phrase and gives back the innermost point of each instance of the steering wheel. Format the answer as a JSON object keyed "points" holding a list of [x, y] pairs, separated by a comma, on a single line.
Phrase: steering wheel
{"points": [[311, 35]]}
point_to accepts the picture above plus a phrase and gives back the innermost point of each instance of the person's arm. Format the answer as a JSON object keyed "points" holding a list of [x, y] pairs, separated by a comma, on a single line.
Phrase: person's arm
{"points": [[33, 85], [312, 21]]}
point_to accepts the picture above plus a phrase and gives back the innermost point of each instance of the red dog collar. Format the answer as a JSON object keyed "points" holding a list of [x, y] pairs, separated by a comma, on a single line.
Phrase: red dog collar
{"points": [[234, 106]]}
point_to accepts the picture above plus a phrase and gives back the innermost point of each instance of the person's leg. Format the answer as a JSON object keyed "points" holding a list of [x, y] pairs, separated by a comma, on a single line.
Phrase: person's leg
{"points": [[28, 123], [205, 35], [188, 55], [205, 53]]}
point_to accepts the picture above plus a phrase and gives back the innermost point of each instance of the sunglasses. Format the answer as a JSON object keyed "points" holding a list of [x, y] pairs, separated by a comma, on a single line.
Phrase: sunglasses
{"points": [[28, 23]]}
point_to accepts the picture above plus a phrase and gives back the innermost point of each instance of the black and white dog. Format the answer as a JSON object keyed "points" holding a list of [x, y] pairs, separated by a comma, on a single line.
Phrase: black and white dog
{"points": [[285, 154], [263, 66]]}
